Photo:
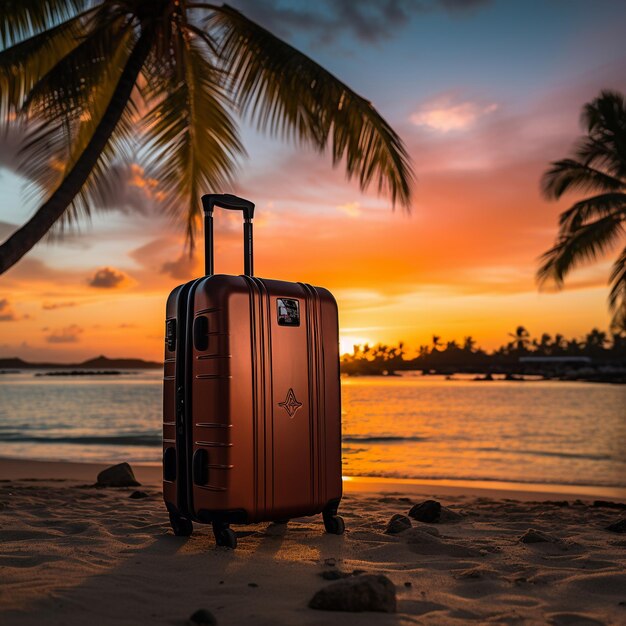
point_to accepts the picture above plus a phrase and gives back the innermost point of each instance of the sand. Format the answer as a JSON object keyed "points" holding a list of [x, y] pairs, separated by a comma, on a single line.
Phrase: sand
{"points": [[72, 554]]}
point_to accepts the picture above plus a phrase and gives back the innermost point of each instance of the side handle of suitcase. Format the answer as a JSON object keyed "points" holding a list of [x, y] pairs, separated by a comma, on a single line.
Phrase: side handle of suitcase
{"points": [[227, 201]]}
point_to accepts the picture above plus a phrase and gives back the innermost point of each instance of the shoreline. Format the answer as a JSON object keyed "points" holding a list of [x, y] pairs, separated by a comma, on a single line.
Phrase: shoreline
{"points": [[150, 474]]}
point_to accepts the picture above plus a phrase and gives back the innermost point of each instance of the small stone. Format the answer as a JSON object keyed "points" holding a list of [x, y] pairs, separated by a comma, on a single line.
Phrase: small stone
{"points": [[120, 475], [204, 617], [397, 524], [330, 562], [361, 593], [137, 495], [536, 536], [408, 584], [221, 582], [428, 511], [252, 585], [618, 527]]}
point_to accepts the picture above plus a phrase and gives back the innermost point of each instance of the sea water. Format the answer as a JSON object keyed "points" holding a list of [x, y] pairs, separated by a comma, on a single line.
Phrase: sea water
{"points": [[412, 426]]}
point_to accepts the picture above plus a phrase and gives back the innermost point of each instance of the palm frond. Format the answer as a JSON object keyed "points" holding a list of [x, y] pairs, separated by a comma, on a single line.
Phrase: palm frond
{"points": [[288, 94], [570, 175], [590, 208], [617, 279], [604, 113], [57, 141], [25, 63], [23, 18], [584, 244], [604, 146], [193, 141]]}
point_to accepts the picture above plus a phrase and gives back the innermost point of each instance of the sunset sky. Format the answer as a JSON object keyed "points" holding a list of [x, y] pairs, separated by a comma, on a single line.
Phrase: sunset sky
{"points": [[484, 94]]}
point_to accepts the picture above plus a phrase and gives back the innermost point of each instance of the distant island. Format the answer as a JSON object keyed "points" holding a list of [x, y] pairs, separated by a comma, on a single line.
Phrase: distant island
{"points": [[100, 363], [594, 358]]}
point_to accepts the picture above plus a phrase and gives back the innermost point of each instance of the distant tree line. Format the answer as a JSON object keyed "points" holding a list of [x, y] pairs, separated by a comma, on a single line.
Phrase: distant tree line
{"points": [[597, 349]]}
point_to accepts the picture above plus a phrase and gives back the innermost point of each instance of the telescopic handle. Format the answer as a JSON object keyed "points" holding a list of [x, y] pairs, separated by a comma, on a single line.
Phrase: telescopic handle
{"points": [[227, 201]]}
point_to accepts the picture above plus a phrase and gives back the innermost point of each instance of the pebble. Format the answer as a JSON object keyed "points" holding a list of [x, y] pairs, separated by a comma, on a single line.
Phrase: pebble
{"points": [[397, 524], [204, 617]]}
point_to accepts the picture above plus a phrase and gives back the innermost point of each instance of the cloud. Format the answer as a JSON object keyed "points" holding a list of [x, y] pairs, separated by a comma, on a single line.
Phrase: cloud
{"points": [[445, 114], [351, 209], [69, 334], [462, 5], [184, 268], [50, 306], [108, 278], [7, 314], [370, 21]]}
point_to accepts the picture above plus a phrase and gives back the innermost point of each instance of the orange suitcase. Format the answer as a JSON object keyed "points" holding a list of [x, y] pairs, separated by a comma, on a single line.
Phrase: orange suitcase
{"points": [[251, 397]]}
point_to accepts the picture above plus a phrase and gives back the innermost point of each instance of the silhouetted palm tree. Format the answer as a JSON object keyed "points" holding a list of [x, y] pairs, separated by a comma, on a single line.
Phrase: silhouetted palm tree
{"points": [[595, 340], [521, 338], [593, 226], [469, 343], [97, 80], [436, 341]]}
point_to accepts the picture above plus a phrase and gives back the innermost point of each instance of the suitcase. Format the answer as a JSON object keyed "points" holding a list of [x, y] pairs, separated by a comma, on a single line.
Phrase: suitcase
{"points": [[251, 397]]}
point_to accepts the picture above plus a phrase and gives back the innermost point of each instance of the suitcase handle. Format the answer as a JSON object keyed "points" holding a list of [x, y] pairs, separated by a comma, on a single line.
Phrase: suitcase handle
{"points": [[227, 201]]}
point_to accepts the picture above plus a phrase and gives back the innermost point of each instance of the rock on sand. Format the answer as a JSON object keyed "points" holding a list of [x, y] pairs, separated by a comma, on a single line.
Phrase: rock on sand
{"points": [[397, 524], [431, 512], [120, 475], [369, 592]]}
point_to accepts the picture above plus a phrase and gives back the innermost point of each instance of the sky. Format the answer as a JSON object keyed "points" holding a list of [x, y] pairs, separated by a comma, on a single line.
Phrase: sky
{"points": [[483, 93]]}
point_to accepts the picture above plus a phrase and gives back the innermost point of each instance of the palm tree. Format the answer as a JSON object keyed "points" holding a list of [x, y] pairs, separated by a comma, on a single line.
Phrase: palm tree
{"points": [[95, 81], [469, 343], [594, 225], [521, 338]]}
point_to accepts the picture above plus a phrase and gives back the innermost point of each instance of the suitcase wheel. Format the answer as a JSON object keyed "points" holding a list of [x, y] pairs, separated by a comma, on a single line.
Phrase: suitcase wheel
{"points": [[224, 536], [334, 524], [181, 526]]}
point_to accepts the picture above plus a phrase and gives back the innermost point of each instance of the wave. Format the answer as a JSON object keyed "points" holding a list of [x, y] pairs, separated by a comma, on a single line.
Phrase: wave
{"points": [[460, 479], [379, 439], [550, 453], [103, 440]]}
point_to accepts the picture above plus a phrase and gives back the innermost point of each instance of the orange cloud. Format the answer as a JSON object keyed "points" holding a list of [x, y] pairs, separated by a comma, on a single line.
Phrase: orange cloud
{"points": [[7, 314], [51, 306], [69, 334]]}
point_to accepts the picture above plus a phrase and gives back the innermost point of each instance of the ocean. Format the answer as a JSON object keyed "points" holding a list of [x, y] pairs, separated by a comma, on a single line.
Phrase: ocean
{"points": [[412, 426]]}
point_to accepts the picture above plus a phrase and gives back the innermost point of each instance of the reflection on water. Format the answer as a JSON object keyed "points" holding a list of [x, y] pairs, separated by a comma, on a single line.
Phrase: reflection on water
{"points": [[410, 426]]}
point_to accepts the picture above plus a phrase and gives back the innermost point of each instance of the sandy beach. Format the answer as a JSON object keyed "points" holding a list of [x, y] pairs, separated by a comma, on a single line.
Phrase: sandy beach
{"points": [[75, 554]]}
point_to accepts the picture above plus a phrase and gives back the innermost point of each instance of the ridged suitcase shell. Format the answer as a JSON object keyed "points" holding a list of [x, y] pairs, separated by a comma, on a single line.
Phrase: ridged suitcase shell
{"points": [[251, 408]]}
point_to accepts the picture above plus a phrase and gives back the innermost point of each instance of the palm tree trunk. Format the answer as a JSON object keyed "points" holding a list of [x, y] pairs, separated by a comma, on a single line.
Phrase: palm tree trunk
{"points": [[24, 239]]}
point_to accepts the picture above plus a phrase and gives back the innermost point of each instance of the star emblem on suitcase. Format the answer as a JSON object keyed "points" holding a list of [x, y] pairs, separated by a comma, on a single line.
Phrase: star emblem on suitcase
{"points": [[291, 405]]}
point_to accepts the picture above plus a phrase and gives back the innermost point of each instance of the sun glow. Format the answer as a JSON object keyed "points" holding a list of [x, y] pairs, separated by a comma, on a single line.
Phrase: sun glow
{"points": [[347, 343]]}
